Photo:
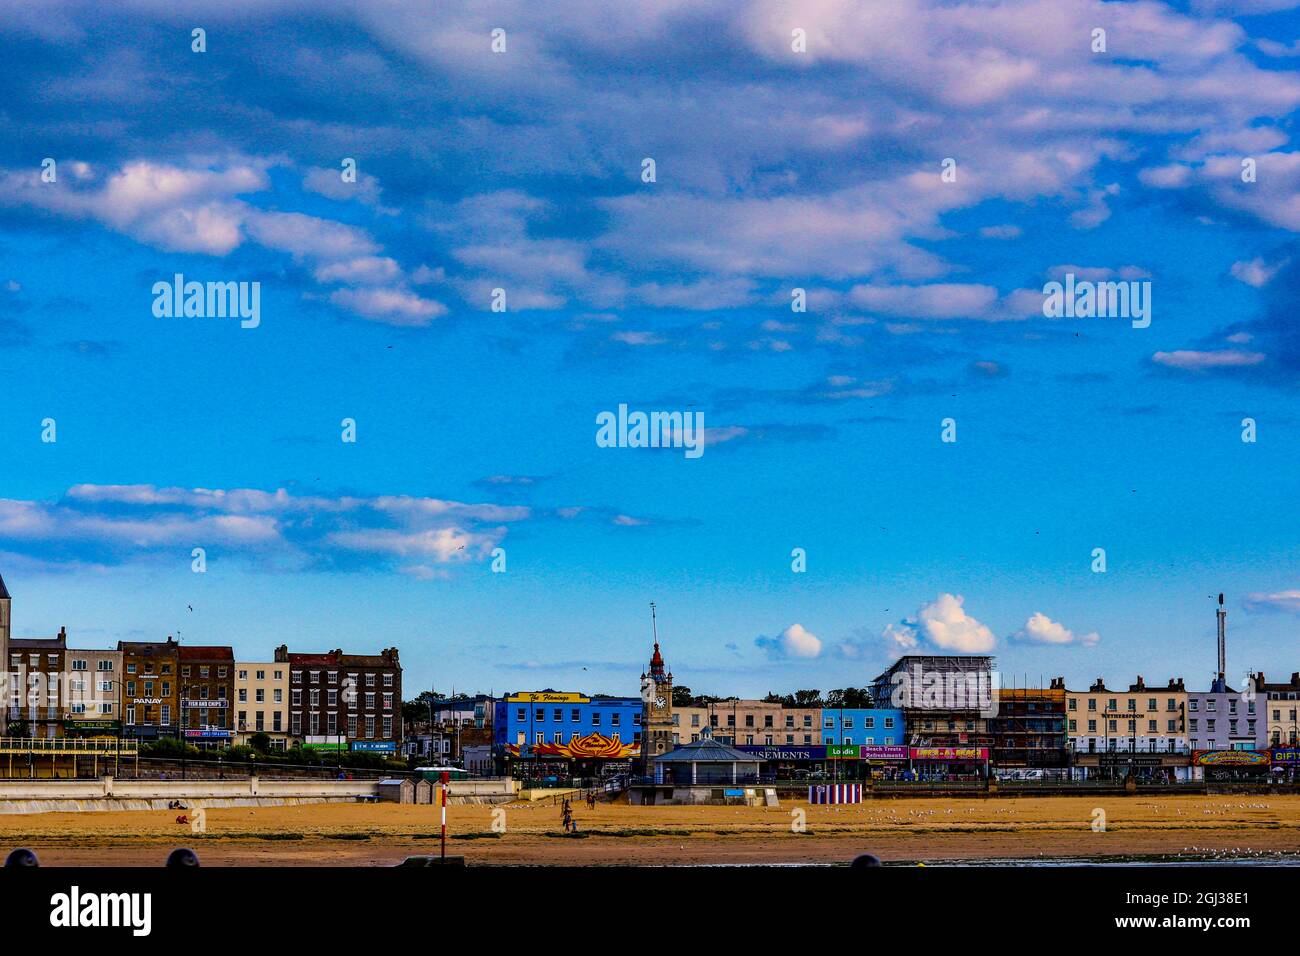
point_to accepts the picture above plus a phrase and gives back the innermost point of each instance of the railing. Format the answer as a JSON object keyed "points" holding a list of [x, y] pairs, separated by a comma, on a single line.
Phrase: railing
{"points": [[67, 745]]}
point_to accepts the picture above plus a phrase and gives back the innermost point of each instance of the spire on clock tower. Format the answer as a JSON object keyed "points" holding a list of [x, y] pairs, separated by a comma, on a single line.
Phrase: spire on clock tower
{"points": [[657, 704]]}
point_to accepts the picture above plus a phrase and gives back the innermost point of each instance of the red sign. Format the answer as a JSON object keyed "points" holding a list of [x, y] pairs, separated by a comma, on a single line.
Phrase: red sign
{"points": [[950, 754]]}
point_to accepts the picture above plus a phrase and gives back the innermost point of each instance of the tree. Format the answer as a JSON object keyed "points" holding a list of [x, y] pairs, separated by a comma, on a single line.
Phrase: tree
{"points": [[808, 698], [849, 698], [261, 742], [682, 696]]}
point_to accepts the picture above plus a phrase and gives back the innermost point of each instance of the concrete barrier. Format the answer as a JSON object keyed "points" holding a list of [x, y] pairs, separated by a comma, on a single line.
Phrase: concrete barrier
{"points": [[106, 793]]}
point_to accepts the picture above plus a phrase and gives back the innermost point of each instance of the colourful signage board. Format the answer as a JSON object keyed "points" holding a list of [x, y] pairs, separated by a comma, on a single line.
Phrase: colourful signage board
{"points": [[949, 754], [1230, 758], [547, 697], [788, 752]]}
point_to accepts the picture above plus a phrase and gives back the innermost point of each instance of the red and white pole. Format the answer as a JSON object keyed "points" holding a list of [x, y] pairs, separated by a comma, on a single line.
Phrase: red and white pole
{"points": [[446, 778]]}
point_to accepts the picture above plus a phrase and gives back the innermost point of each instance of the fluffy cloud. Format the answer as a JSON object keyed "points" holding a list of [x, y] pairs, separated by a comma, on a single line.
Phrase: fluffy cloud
{"points": [[946, 624], [1288, 601], [204, 209], [1041, 629], [120, 523], [794, 642]]}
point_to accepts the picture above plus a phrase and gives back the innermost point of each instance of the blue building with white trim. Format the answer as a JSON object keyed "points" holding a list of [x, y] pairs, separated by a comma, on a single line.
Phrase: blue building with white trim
{"points": [[862, 726]]}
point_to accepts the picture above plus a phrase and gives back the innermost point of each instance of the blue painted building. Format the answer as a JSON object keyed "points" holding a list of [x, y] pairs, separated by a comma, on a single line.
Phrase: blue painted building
{"points": [[558, 727], [871, 727]]}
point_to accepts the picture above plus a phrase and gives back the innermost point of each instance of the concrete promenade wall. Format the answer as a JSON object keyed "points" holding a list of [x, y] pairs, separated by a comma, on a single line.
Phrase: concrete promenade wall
{"points": [[107, 793]]}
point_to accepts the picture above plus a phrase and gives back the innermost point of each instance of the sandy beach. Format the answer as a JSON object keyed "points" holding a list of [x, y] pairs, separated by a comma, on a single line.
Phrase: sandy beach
{"points": [[925, 830]]}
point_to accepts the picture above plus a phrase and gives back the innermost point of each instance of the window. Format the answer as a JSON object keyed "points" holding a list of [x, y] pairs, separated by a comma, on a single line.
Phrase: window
{"points": [[614, 719], [79, 665]]}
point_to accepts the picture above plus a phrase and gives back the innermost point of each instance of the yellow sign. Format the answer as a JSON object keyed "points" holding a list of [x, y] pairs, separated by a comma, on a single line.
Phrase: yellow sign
{"points": [[547, 697]]}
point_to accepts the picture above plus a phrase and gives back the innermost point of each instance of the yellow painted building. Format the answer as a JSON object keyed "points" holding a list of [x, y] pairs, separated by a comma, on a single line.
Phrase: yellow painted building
{"points": [[1141, 719], [262, 702]]}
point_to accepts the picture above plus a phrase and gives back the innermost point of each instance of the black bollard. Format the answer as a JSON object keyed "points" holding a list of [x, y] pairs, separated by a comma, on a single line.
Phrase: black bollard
{"points": [[866, 859], [22, 857], [182, 857]]}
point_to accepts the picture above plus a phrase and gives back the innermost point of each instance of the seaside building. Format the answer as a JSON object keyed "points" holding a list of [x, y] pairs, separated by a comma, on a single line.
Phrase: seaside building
{"points": [[1030, 730], [262, 702], [562, 733], [1141, 731], [35, 678], [207, 685], [947, 703], [345, 701], [92, 692], [1280, 702], [6, 611], [150, 688], [749, 723]]}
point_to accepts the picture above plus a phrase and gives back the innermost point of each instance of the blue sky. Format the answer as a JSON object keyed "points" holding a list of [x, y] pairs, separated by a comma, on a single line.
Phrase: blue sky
{"points": [[775, 169]]}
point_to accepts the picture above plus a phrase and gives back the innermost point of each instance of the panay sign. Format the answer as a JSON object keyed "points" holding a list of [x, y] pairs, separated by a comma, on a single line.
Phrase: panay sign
{"points": [[949, 754]]}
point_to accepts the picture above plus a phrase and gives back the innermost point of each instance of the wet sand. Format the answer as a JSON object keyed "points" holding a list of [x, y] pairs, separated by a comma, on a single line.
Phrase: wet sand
{"points": [[1180, 827]]}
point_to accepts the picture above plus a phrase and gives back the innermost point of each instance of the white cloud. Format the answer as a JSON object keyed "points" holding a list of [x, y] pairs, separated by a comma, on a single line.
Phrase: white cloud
{"points": [[1256, 272], [1288, 601], [1196, 361], [794, 642], [1041, 629], [945, 623]]}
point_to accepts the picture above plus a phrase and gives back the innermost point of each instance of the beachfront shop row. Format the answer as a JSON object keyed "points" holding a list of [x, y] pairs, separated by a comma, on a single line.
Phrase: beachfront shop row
{"points": [[862, 761]]}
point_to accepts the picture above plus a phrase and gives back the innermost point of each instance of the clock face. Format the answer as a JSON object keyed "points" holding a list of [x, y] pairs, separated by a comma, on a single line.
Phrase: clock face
{"points": [[660, 702]]}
